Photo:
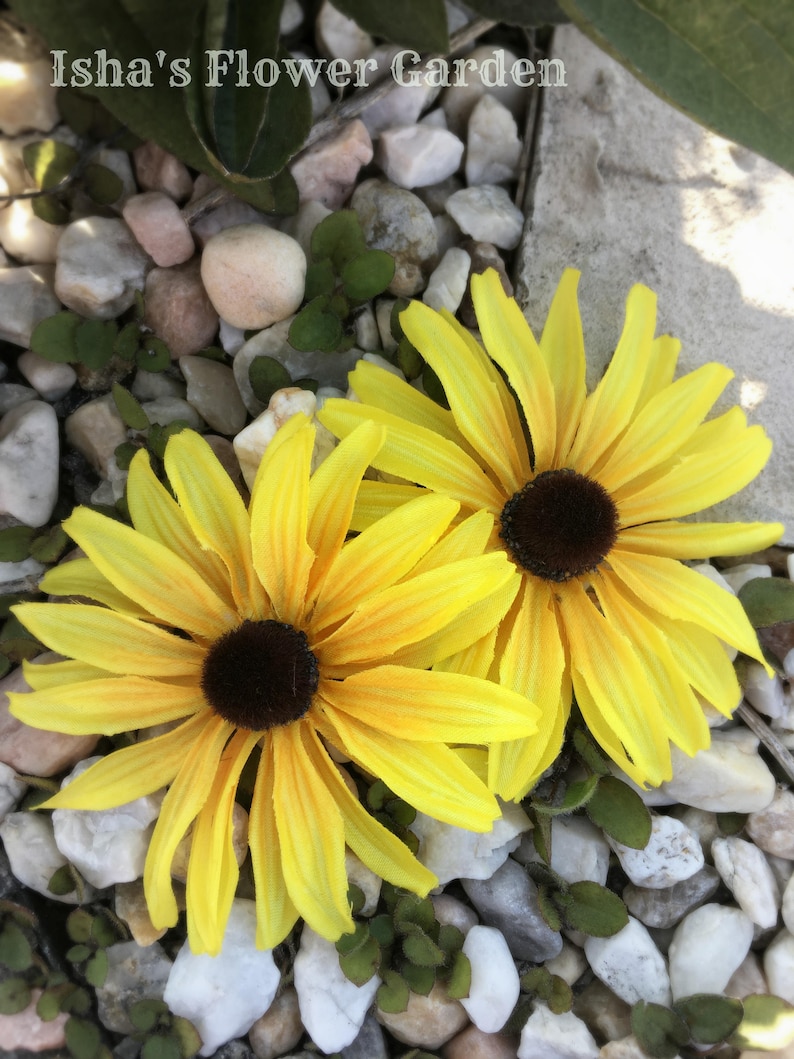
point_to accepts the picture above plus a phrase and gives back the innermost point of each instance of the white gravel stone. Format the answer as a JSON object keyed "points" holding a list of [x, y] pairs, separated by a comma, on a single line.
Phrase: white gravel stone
{"points": [[630, 964], [739, 575], [11, 789], [487, 213], [458, 100], [367, 881], [772, 828], [29, 454], [401, 106], [253, 275], [673, 853], [230, 214], [448, 909], [25, 236], [331, 1006], [250, 443], [157, 223], [787, 905], [779, 966], [706, 948], [206, 989], [452, 852], [99, 267], [27, 98], [26, 298], [13, 394], [106, 845], [569, 965], [96, 429], [417, 155], [26, 572], [212, 391], [49, 379], [367, 334], [745, 871], [327, 172], [549, 1036], [339, 37], [164, 410], [493, 146], [447, 283], [32, 853], [494, 986], [763, 691], [578, 850], [727, 777]]}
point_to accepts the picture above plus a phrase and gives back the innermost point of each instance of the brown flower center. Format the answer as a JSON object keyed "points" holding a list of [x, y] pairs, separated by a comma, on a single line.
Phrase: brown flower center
{"points": [[560, 525], [260, 675]]}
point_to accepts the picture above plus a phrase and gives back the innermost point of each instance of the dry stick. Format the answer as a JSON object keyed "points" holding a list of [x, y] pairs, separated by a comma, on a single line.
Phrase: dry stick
{"points": [[760, 728], [345, 110]]}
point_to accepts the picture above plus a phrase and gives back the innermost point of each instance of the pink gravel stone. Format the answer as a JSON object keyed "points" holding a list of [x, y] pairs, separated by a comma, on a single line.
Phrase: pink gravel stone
{"points": [[158, 170], [178, 309], [157, 223], [327, 172], [26, 1030]]}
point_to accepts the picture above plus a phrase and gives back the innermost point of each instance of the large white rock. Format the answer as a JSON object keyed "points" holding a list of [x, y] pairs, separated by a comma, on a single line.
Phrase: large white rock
{"points": [[224, 995], [494, 986], [25, 236], [414, 156], [99, 267], [487, 213], [727, 777], [630, 964], [33, 856], [26, 298], [549, 1036], [106, 845], [673, 853], [707, 947], [745, 871], [51, 380], [29, 455], [331, 1006]]}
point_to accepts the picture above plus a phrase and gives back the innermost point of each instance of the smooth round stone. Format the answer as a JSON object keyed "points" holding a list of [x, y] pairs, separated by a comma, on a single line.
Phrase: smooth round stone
{"points": [[417, 155], [549, 1036], [52, 381], [748, 978], [29, 455], [727, 777], [178, 310], [739, 575], [487, 213], [764, 692], [569, 965], [630, 964], [428, 1021], [745, 871], [212, 391], [96, 429], [279, 1029], [787, 905], [578, 850], [25, 236], [494, 986], [13, 394], [673, 853], [779, 966], [603, 1011], [99, 267], [474, 1044], [26, 298], [370, 1043], [27, 97], [493, 146], [11, 789], [157, 223], [448, 909], [327, 172], [165, 410], [253, 275], [707, 947]]}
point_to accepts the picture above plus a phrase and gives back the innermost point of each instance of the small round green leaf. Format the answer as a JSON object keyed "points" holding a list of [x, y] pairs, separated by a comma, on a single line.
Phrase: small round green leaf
{"points": [[620, 811], [62, 881], [78, 925], [419, 980], [710, 1018], [409, 360], [186, 1034], [50, 209], [124, 453], [382, 929], [15, 951], [50, 545], [54, 338], [368, 275], [160, 1046], [450, 938], [338, 237], [158, 436], [355, 897], [82, 1038], [101, 184], [49, 162], [94, 341], [316, 327], [78, 953], [595, 910], [417, 911], [96, 969], [15, 543], [362, 963], [659, 1031], [14, 996], [129, 408], [145, 1014], [320, 279], [393, 993], [422, 950], [127, 341], [768, 600], [768, 1023], [266, 375], [153, 354], [459, 978], [48, 1006]]}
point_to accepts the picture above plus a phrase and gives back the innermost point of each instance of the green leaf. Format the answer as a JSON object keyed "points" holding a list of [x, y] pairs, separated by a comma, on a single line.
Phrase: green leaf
{"points": [[266, 375], [768, 1023], [160, 1046], [419, 979], [541, 836], [50, 209], [377, 793], [94, 340], [590, 753], [158, 436], [96, 969], [368, 275], [78, 925], [731, 823], [316, 327], [339, 238], [419, 24], [393, 993], [620, 812], [5, 665], [15, 951], [129, 408], [14, 996], [78, 953], [124, 454], [548, 909], [320, 279], [768, 600], [82, 1038], [660, 1032], [54, 338], [459, 978], [728, 65], [422, 950], [433, 387], [409, 360], [49, 162], [710, 1018], [48, 1006], [412, 911], [355, 897], [101, 184], [62, 881], [50, 545], [382, 929], [576, 795], [307, 384], [401, 812], [450, 938], [146, 1014], [186, 1034], [15, 543], [127, 341], [153, 354], [595, 910], [520, 12]]}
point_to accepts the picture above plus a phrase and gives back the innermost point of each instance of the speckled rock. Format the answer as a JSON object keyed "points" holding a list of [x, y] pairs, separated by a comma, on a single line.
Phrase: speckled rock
{"points": [[99, 267], [452, 852], [578, 850], [50, 380], [157, 223], [178, 310], [327, 172], [134, 973], [253, 275], [665, 907], [772, 828], [397, 221], [428, 1021], [370, 1042], [27, 297], [29, 453], [212, 391], [630, 964], [673, 853]]}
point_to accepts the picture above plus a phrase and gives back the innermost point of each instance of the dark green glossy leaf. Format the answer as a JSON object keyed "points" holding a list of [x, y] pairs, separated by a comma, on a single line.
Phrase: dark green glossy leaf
{"points": [[728, 65], [768, 1023], [307, 384], [620, 812], [316, 328], [94, 340], [710, 1018], [520, 12], [14, 996], [129, 408], [49, 162], [50, 209], [768, 600], [15, 543], [338, 238], [101, 184], [595, 910], [450, 938], [153, 354], [54, 338], [659, 1031], [368, 274], [266, 375], [362, 963], [541, 836], [419, 24]]}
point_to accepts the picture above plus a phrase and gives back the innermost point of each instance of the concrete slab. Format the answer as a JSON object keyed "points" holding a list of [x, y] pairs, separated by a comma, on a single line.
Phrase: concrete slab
{"points": [[628, 190]]}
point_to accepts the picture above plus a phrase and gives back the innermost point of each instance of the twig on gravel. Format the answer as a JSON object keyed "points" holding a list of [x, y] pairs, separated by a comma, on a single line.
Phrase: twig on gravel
{"points": [[760, 728]]}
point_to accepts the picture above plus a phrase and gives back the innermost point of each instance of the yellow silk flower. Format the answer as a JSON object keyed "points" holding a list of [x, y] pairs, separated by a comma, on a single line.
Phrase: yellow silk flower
{"points": [[588, 490], [265, 632]]}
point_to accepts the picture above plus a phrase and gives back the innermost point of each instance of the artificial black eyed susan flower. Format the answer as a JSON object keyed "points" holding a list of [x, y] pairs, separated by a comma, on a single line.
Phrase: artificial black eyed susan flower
{"points": [[265, 634], [588, 490]]}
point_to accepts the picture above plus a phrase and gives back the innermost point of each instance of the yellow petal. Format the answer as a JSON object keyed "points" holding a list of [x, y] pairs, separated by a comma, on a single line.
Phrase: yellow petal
{"points": [[216, 515], [699, 540], [418, 455], [516, 766], [431, 777], [377, 499], [476, 660], [406, 613], [131, 772], [41, 676], [275, 913], [109, 706], [664, 424], [605, 736], [608, 410], [472, 393], [212, 867], [660, 369], [149, 573], [79, 577], [469, 537], [562, 348], [184, 799], [110, 641], [312, 836], [279, 514], [381, 555], [705, 663], [686, 595], [155, 513], [432, 706], [510, 342]]}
